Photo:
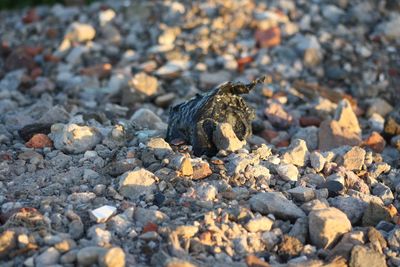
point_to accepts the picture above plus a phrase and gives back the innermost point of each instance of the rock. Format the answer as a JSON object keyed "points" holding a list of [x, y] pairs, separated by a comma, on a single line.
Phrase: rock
{"points": [[297, 153], [225, 138], [186, 168], [141, 87], [186, 231], [201, 170], [394, 239], [80, 32], [288, 172], [277, 204], [88, 256], [309, 135], [103, 213], [342, 130], [268, 38], [278, 116], [175, 262], [317, 161], [353, 160], [290, 247], [380, 106], [136, 183], [376, 122], [374, 213], [28, 131], [326, 226], [114, 257], [72, 138], [259, 224], [65, 245], [362, 256], [376, 142], [301, 193], [392, 124], [144, 216], [384, 193], [377, 241], [160, 147], [105, 16], [146, 119], [300, 230], [49, 257], [39, 141], [351, 206], [8, 241], [391, 28], [253, 261], [335, 183], [206, 192]]}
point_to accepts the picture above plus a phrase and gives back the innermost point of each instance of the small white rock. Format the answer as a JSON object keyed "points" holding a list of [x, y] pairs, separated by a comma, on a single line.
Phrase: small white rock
{"points": [[103, 213]]}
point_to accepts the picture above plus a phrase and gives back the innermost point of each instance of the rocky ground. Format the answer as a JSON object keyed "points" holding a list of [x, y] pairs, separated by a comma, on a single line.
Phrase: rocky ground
{"points": [[87, 177]]}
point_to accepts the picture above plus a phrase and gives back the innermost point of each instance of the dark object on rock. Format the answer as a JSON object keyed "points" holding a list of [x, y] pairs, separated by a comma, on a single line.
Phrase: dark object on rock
{"points": [[392, 124], [30, 130], [195, 120]]}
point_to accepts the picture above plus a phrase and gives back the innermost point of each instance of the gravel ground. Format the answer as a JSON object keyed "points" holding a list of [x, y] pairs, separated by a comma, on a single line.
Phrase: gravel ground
{"points": [[88, 179]]}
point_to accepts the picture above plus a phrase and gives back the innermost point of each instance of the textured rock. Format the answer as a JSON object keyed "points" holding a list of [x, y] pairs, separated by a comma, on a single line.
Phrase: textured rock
{"points": [[297, 153], [225, 138], [326, 226], [72, 138], [351, 206], [103, 213], [49, 257], [8, 241], [362, 256], [374, 213], [80, 32], [88, 256], [259, 224], [353, 160], [289, 247], [146, 119], [317, 161], [277, 204], [301, 193], [114, 257], [288, 172], [136, 183]]}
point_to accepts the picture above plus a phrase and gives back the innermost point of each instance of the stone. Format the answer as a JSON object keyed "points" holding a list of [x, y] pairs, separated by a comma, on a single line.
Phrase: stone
{"points": [[201, 170], [160, 147], [317, 161], [380, 106], [225, 138], [253, 261], [297, 153], [290, 247], [259, 224], [146, 119], [39, 141], [88, 256], [72, 138], [113, 257], [376, 239], [301, 193], [300, 230], [141, 87], [392, 124], [206, 192], [362, 256], [175, 262], [49, 257], [105, 16], [268, 38], [186, 168], [384, 193], [103, 213], [144, 216], [186, 231], [353, 207], [80, 32], [394, 239], [65, 245], [376, 142], [374, 213], [309, 135], [278, 116], [326, 226], [8, 241], [136, 183], [353, 160], [287, 172], [344, 129], [277, 204], [335, 183]]}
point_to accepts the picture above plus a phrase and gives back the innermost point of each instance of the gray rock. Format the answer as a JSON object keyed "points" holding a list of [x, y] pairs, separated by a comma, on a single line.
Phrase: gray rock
{"points": [[49, 257], [317, 161], [309, 135], [351, 206], [277, 204], [326, 226], [72, 138], [301, 193], [146, 119], [136, 183], [300, 230], [88, 256], [384, 193], [297, 153], [353, 160], [144, 216]]}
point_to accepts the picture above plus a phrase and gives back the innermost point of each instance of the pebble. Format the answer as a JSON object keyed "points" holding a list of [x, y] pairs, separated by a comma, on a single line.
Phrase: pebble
{"points": [[49, 257], [136, 183], [80, 32], [353, 160], [327, 226], [303, 194], [259, 224], [72, 138], [317, 161], [287, 172], [225, 138], [113, 257], [88, 256], [297, 153], [277, 204], [103, 213], [362, 256], [146, 119]]}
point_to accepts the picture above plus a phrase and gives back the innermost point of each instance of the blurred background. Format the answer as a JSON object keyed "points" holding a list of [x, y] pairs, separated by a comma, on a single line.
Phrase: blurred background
{"points": [[12, 4]]}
